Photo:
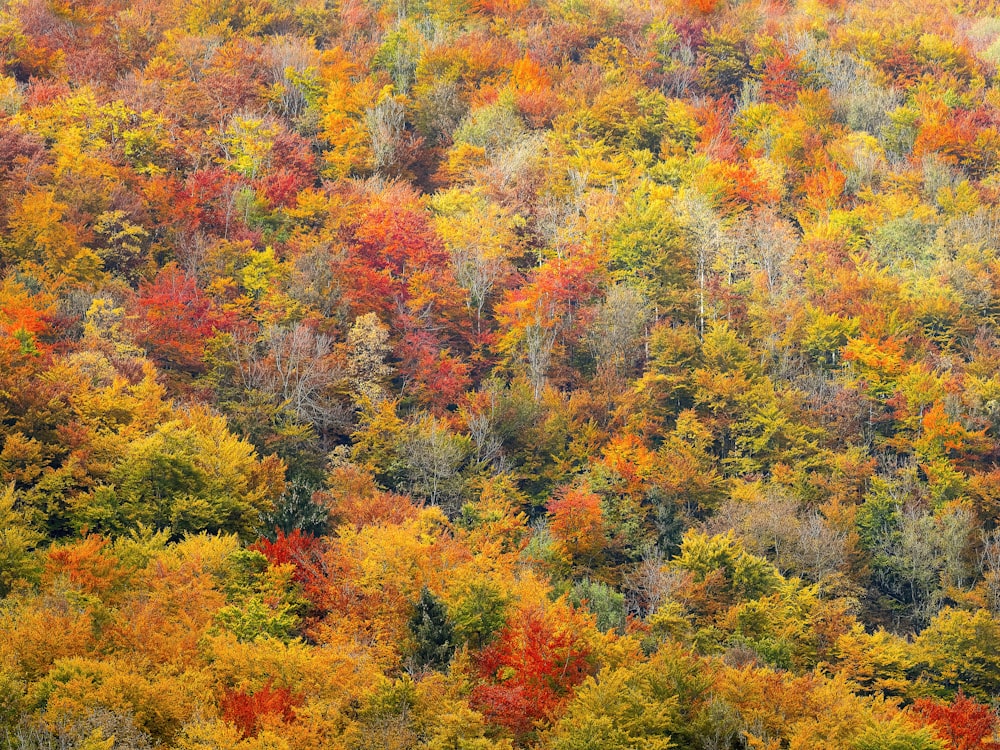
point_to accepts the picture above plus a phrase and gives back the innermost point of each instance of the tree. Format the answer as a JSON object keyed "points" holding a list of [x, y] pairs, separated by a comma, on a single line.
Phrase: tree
{"points": [[342, 114], [723, 570], [248, 711], [433, 632], [479, 610], [649, 249], [618, 331], [189, 474], [954, 653], [368, 349], [302, 372], [625, 708], [479, 235], [296, 512], [433, 457], [577, 524], [392, 145], [603, 601], [17, 541], [964, 724], [724, 64], [125, 244], [86, 565], [537, 314], [173, 319], [895, 734], [528, 673], [38, 232]]}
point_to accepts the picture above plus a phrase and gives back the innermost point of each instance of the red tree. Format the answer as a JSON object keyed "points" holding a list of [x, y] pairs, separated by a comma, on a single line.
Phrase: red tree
{"points": [[530, 671], [247, 710], [964, 724], [304, 551], [172, 319], [780, 82]]}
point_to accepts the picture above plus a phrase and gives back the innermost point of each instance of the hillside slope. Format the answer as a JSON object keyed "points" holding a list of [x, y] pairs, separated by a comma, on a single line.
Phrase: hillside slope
{"points": [[470, 374]]}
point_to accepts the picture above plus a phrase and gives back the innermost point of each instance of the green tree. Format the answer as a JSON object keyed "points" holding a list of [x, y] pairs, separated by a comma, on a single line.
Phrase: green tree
{"points": [[190, 474], [432, 631], [958, 651], [479, 612], [622, 709], [896, 734], [17, 541]]}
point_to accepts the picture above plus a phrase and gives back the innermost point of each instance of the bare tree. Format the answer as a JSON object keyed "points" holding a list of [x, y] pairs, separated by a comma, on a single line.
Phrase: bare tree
{"points": [[433, 457], [651, 584], [616, 335], [858, 98], [540, 340], [989, 566], [296, 367], [797, 540], [289, 60], [387, 130], [482, 418], [477, 268], [301, 371], [922, 556], [709, 238], [767, 242], [99, 724]]}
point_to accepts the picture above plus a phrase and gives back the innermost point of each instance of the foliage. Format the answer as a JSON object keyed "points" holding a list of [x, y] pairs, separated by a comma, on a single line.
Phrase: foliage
{"points": [[432, 632], [499, 374]]}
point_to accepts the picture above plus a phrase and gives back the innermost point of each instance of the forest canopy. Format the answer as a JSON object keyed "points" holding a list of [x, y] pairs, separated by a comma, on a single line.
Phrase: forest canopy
{"points": [[496, 374]]}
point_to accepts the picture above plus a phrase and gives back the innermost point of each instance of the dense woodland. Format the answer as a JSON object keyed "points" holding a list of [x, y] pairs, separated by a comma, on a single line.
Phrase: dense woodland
{"points": [[495, 374]]}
